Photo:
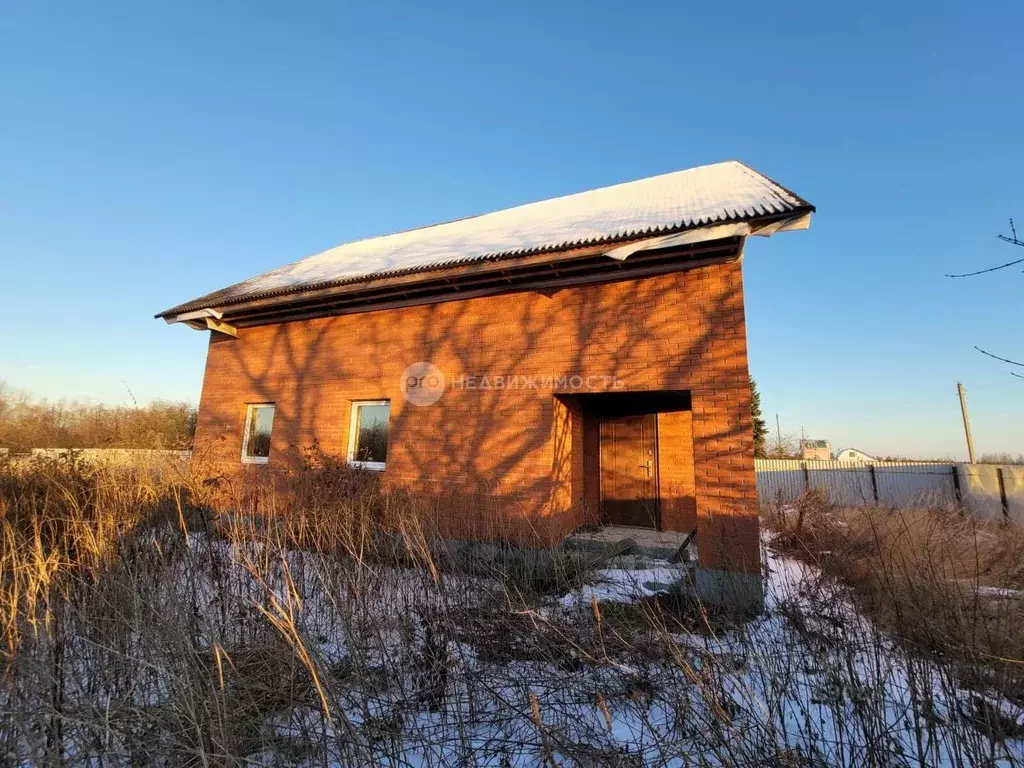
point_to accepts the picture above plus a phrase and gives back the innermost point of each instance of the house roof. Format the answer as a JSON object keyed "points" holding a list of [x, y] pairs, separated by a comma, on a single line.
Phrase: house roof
{"points": [[672, 202], [855, 450]]}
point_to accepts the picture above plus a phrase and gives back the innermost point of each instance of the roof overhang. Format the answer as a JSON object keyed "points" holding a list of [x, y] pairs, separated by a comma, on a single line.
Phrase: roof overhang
{"points": [[717, 232], [539, 272], [205, 320], [671, 210]]}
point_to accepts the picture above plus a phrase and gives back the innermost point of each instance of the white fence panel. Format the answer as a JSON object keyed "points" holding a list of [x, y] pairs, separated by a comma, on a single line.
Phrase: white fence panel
{"points": [[895, 483], [915, 485], [783, 480], [779, 480], [845, 483], [115, 455], [989, 491]]}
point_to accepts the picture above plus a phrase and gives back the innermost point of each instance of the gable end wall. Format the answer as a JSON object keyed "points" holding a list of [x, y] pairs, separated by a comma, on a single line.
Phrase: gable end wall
{"points": [[506, 454]]}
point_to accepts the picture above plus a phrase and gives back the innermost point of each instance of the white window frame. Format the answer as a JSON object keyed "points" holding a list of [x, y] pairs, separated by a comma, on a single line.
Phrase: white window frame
{"points": [[250, 409], [376, 466]]}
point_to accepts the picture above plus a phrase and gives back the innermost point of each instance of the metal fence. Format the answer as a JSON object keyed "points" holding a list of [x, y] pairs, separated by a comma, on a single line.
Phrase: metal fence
{"points": [[987, 490]]}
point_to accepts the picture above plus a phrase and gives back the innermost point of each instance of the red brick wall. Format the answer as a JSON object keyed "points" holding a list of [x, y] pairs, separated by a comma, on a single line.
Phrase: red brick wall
{"points": [[676, 478], [514, 453], [591, 469]]}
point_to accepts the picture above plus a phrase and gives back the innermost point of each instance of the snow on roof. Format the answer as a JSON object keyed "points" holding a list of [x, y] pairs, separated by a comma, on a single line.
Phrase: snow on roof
{"points": [[854, 450], [722, 192]]}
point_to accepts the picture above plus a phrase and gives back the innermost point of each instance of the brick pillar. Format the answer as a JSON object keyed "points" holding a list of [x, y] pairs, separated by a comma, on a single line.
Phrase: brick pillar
{"points": [[728, 546]]}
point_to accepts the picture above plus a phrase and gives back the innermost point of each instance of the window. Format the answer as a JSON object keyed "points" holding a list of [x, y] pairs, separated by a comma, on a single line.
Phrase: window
{"points": [[259, 420], [368, 434]]}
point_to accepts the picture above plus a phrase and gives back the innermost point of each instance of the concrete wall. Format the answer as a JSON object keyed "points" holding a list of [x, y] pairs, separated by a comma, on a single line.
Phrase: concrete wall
{"points": [[980, 484]]}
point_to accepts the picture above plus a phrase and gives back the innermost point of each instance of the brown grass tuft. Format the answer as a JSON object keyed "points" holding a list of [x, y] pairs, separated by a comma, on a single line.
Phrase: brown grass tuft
{"points": [[948, 585]]}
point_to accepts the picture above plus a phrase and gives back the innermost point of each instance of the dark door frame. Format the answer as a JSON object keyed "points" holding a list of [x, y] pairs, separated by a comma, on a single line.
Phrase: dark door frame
{"points": [[656, 500]]}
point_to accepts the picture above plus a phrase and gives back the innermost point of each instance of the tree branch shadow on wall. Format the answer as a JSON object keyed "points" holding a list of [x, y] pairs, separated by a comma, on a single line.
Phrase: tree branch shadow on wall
{"points": [[499, 456]]}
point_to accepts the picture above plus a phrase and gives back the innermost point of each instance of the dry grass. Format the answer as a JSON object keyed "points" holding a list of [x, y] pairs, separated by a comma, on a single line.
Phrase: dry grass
{"points": [[939, 580], [329, 625]]}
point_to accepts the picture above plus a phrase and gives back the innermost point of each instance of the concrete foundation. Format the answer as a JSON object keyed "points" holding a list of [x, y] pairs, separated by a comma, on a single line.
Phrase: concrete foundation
{"points": [[730, 589], [661, 545], [743, 592]]}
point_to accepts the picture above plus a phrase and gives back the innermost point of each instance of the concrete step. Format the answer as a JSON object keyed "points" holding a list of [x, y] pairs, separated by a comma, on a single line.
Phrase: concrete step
{"points": [[660, 545]]}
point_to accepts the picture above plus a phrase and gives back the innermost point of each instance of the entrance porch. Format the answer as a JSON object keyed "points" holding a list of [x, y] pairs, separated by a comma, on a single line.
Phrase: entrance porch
{"points": [[643, 466]]}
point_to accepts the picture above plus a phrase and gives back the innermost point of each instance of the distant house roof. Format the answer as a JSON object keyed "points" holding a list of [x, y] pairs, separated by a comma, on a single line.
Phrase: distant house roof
{"points": [[855, 450], [673, 202]]}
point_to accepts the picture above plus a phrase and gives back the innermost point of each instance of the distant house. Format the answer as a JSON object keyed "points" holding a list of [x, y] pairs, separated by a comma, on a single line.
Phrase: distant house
{"points": [[570, 362], [815, 450], [853, 454]]}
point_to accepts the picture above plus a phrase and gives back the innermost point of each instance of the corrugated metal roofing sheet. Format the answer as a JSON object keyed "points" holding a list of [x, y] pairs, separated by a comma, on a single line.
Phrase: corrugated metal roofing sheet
{"points": [[729, 191]]}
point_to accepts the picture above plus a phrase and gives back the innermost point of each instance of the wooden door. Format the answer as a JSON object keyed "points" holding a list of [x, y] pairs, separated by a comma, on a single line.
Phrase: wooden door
{"points": [[629, 471]]}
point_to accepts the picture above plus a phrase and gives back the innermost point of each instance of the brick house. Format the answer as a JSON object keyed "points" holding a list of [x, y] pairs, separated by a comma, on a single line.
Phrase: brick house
{"points": [[575, 361]]}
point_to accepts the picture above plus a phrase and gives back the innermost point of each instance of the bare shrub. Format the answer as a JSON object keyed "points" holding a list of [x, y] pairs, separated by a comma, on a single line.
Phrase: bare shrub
{"points": [[947, 584], [319, 619], [27, 423]]}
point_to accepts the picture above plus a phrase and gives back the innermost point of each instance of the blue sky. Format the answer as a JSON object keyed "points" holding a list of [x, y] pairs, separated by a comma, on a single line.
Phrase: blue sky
{"points": [[150, 152]]}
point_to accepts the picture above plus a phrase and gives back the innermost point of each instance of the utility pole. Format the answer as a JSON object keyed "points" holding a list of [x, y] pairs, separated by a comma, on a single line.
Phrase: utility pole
{"points": [[778, 434], [967, 421]]}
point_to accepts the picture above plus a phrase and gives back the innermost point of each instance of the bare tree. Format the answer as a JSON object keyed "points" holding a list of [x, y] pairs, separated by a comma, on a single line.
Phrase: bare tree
{"points": [[785, 446], [27, 423], [1012, 239]]}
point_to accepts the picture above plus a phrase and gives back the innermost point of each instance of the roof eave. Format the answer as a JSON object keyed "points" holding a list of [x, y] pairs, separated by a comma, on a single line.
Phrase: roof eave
{"points": [[764, 226]]}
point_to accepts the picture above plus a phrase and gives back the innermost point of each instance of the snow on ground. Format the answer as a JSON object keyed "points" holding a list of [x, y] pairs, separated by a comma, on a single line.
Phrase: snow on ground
{"points": [[624, 585], [811, 676], [424, 669], [812, 637]]}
